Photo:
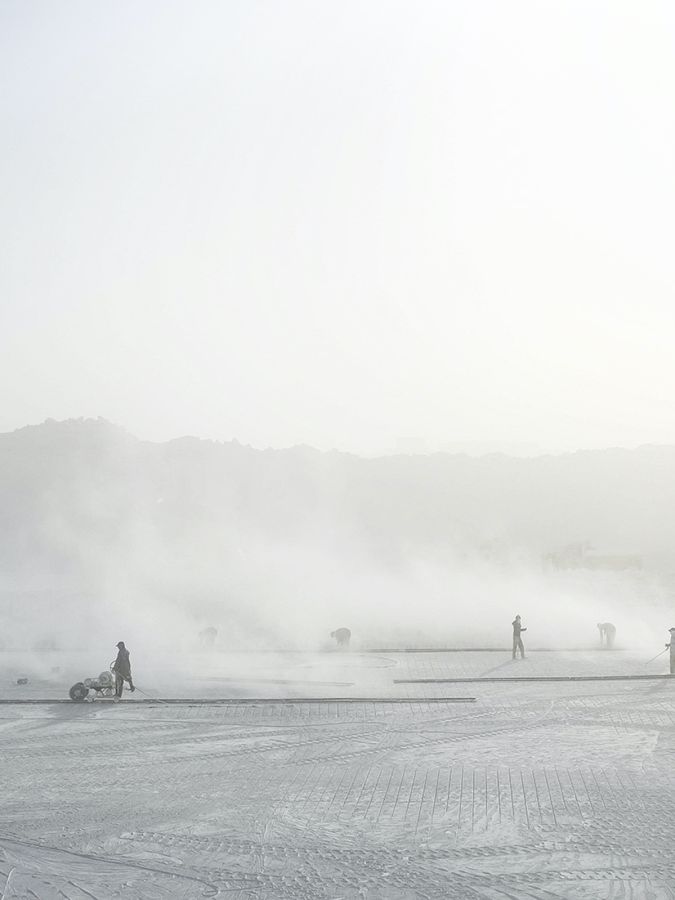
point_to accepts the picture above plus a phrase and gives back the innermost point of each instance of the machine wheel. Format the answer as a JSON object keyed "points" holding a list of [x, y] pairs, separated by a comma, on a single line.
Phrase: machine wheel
{"points": [[78, 691]]}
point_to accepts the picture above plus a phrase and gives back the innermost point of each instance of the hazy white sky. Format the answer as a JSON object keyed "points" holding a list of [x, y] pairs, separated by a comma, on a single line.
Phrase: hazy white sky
{"points": [[340, 223]]}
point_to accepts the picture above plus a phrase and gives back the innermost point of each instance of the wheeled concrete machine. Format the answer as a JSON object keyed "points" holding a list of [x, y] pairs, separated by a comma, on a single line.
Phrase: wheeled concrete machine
{"points": [[103, 686]]}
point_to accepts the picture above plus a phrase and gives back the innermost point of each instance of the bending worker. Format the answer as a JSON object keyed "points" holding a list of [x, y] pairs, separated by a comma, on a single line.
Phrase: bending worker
{"points": [[342, 636], [517, 640], [122, 670]]}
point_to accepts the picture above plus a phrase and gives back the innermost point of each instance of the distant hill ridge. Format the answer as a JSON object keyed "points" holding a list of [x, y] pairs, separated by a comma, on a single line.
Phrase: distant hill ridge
{"points": [[84, 481]]}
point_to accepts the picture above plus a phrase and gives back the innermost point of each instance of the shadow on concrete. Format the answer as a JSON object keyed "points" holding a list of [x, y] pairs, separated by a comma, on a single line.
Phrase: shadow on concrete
{"points": [[504, 665]]}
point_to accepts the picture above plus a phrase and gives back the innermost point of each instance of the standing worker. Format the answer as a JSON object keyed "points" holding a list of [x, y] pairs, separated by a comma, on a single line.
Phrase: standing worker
{"points": [[672, 650], [608, 633], [122, 670], [517, 640]]}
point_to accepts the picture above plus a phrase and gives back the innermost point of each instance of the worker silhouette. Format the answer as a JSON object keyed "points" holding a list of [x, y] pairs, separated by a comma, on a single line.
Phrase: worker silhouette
{"points": [[607, 634], [671, 645], [208, 636], [342, 636], [517, 640], [122, 670]]}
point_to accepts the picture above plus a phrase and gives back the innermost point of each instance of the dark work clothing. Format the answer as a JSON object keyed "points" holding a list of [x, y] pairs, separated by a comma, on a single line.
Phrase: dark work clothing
{"points": [[122, 670], [517, 640], [342, 636], [122, 664], [119, 683]]}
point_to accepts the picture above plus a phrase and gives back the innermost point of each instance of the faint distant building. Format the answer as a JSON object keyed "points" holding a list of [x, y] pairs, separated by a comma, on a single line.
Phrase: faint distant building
{"points": [[581, 555]]}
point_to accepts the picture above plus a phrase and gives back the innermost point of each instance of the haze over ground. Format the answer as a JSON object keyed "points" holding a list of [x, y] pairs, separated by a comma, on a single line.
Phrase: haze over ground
{"points": [[356, 226], [104, 534], [259, 261]]}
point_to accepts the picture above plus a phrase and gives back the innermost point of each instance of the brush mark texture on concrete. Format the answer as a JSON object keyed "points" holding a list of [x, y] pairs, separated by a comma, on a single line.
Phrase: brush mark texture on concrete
{"points": [[551, 790]]}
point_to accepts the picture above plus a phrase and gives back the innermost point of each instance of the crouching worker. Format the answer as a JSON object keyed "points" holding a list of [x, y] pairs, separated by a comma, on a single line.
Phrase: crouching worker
{"points": [[122, 670], [342, 636]]}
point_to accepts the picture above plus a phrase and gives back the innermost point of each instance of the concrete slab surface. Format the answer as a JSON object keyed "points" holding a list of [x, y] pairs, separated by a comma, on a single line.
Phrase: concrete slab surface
{"points": [[551, 790]]}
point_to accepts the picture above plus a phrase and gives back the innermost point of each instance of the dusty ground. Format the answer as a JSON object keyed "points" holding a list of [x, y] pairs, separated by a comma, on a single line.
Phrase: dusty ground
{"points": [[535, 790]]}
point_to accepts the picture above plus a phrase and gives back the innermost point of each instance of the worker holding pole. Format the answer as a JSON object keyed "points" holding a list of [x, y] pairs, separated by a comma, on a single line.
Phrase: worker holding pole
{"points": [[122, 669], [671, 646], [517, 640]]}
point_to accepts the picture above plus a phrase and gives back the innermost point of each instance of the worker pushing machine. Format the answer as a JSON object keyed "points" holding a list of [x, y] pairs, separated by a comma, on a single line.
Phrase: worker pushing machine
{"points": [[517, 640], [122, 669], [671, 646]]}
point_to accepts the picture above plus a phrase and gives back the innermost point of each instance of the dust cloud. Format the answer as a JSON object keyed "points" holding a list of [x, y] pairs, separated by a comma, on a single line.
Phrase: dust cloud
{"points": [[119, 539]]}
